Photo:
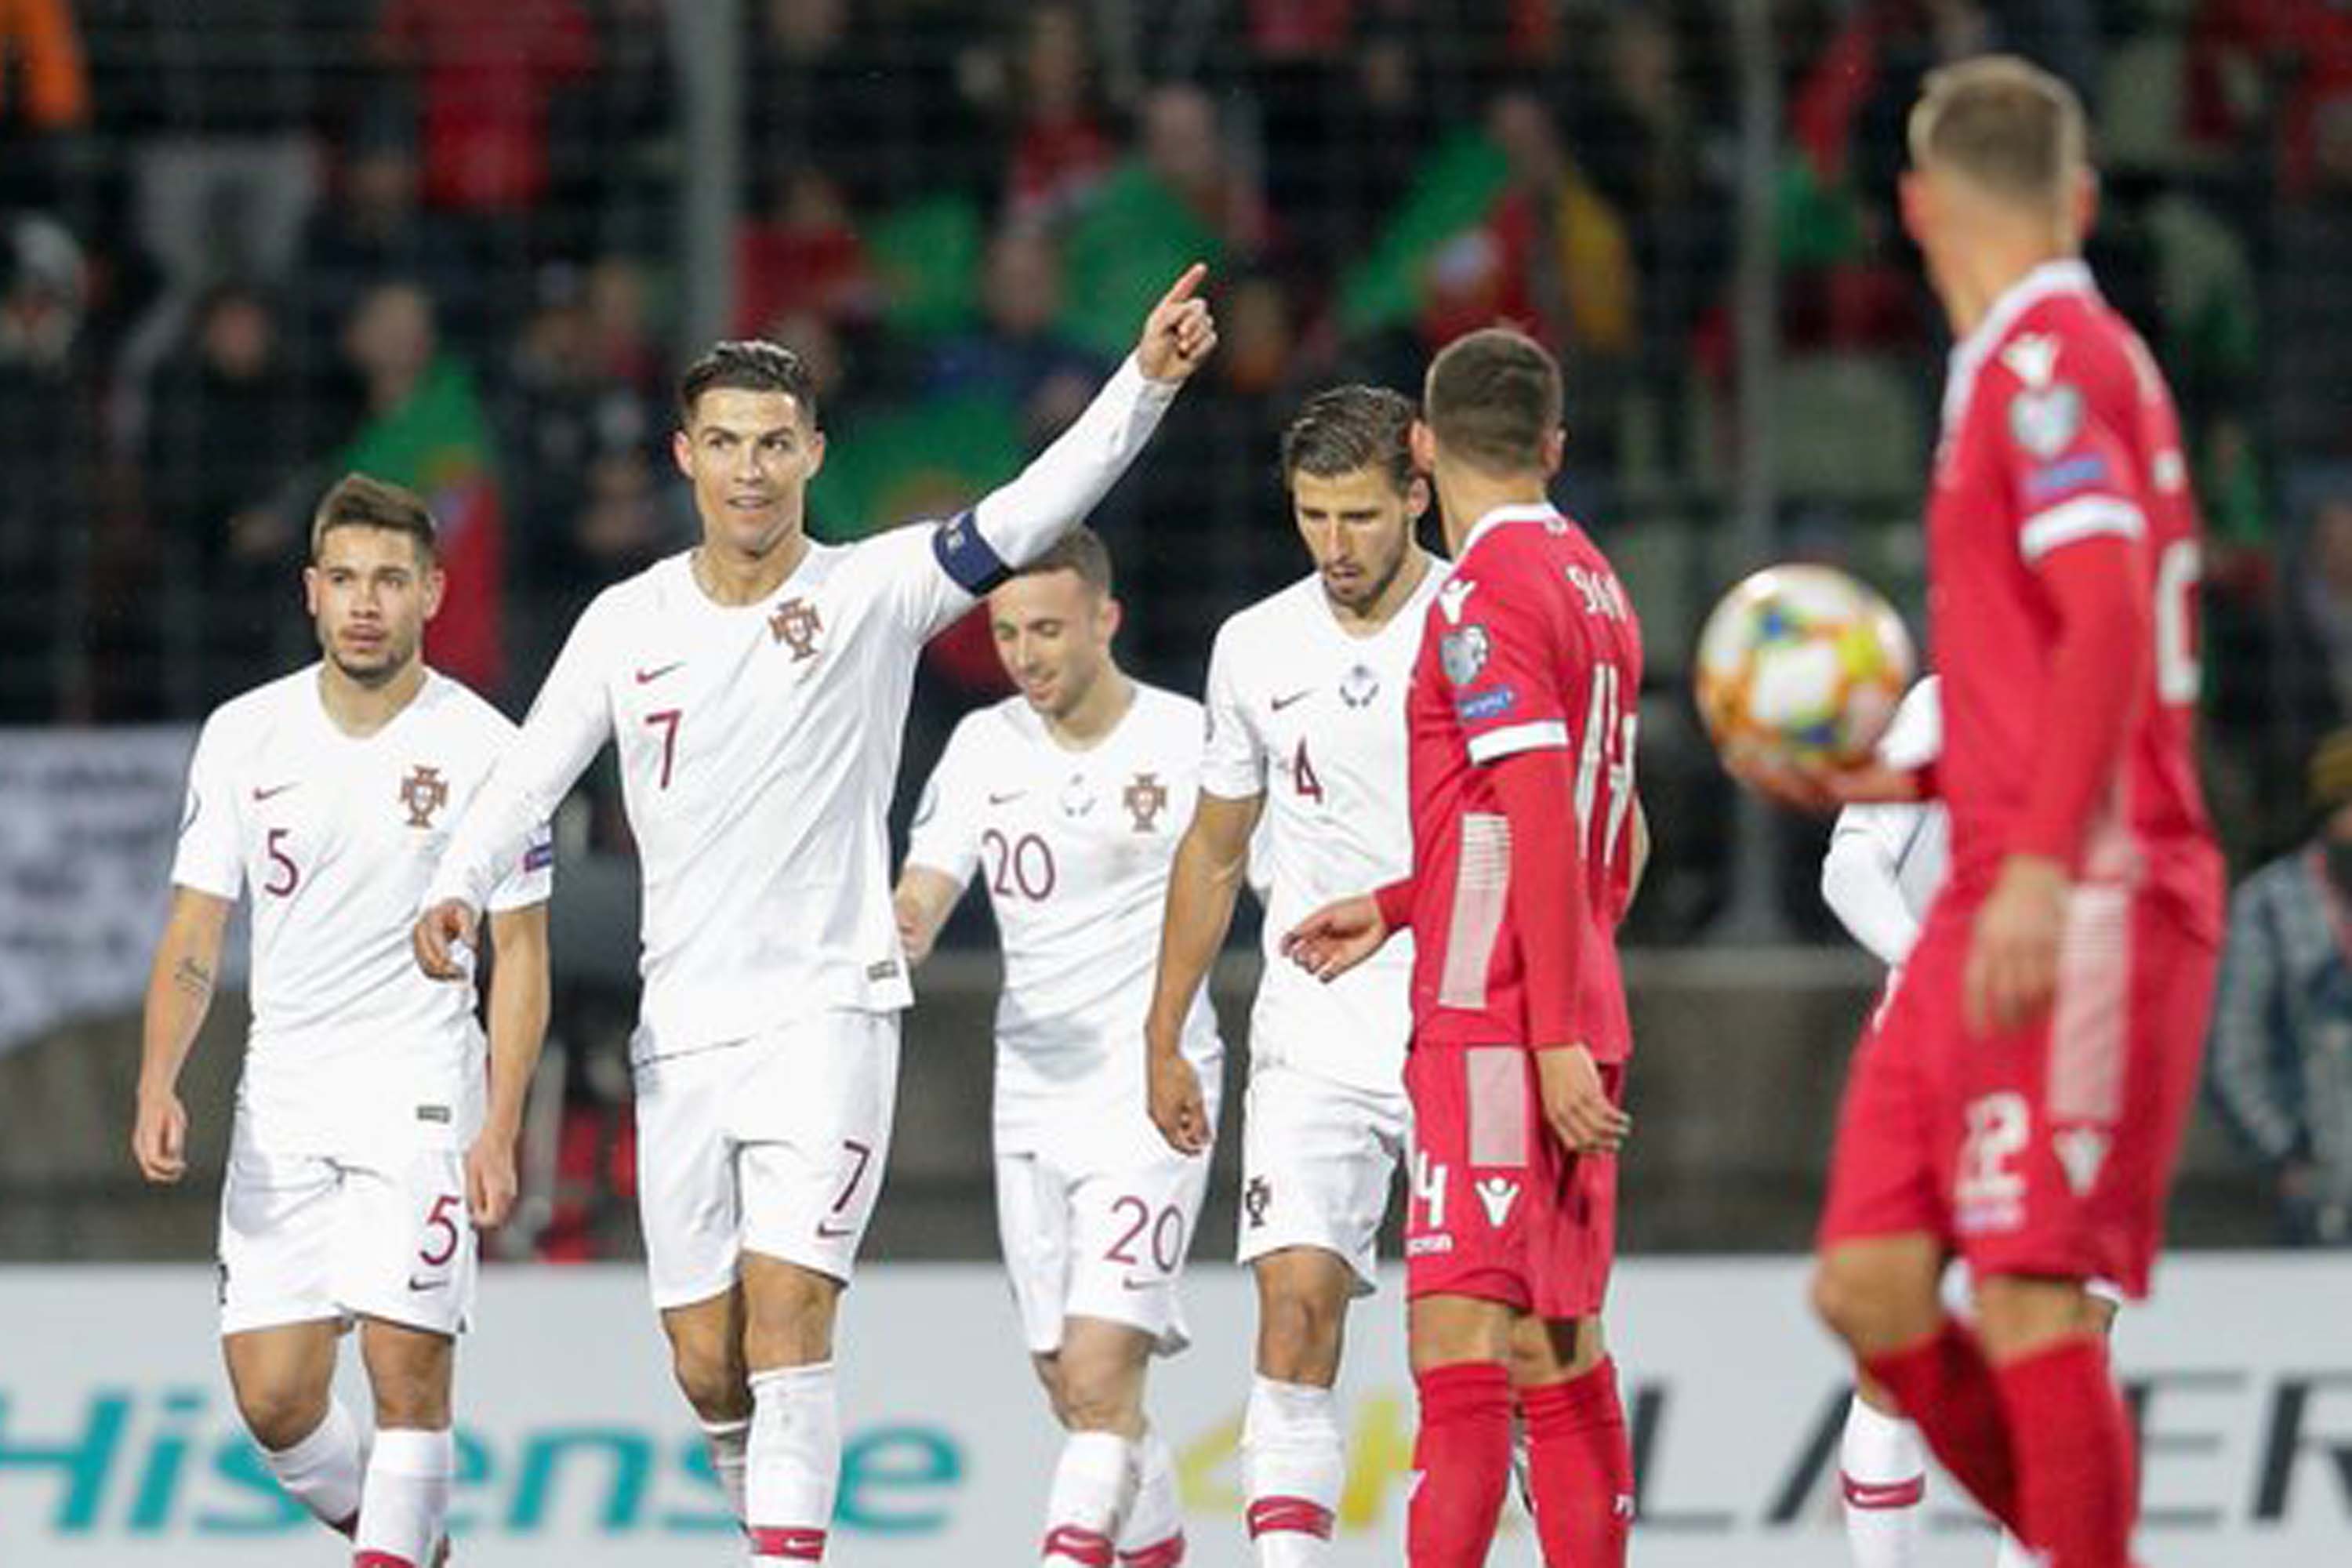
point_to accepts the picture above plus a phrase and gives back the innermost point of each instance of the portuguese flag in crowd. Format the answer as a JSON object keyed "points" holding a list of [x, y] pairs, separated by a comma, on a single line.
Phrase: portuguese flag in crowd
{"points": [[437, 443]]}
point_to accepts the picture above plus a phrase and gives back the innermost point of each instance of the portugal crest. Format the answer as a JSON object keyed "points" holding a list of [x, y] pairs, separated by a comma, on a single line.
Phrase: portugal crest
{"points": [[1145, 799], [796, 624], [424, 792]]}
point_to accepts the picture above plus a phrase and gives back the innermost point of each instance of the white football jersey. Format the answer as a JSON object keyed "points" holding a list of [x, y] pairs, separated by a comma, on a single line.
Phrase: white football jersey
{"points": [[1311, 717], [759, 744], [335, 838], [1917, 839], [1074, 847]]}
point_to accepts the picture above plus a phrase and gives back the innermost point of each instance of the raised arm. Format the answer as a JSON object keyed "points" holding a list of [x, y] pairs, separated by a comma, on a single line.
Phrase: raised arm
{"points": [[179, 993], [1202, 886], [569, 722]]}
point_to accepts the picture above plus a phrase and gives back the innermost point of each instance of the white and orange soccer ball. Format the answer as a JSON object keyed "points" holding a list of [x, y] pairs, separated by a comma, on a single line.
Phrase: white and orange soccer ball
{"points": [[1802, 665]]}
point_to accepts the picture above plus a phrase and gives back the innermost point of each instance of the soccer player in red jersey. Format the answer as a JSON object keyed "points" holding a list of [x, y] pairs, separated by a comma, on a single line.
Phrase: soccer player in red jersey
{"points": [[1526, 834], [2022, 1101]]}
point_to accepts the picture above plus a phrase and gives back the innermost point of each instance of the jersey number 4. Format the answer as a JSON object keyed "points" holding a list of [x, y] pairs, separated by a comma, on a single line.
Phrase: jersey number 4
{"points": [[1604, 762]]}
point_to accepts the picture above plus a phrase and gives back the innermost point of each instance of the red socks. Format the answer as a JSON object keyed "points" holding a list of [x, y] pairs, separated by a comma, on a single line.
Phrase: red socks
{"points": [[1580, 1468], [1946, 1385], [1461, 1462], [2073, 1454]]}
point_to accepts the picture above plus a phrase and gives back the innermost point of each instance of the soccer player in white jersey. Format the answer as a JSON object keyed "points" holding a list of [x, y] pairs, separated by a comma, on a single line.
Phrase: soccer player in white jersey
{"points": [[362, 1155], [1883, 866], [756, 688], [1069, 799], [1307, 758]]}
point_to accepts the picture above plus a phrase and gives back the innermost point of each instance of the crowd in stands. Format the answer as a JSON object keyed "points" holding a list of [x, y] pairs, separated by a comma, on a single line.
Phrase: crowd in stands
{"points": [[245, 245]]}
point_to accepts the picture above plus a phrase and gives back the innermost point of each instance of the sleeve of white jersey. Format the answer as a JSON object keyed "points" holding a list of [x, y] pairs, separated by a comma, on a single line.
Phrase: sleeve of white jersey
{"points": [[1233, 755], [941, 569], [1862, 874], [504, 829], [945, 837], [209, 858]]}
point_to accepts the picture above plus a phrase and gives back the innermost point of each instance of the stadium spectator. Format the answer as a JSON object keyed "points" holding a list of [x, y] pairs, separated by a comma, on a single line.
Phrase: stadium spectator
{"points": [[44, 410], [373, 226], [2280, 1052], [1060, 149], [425, 429], [2316, 662], [230, 427], [484, 76], [804, 255], [1017, 351]]}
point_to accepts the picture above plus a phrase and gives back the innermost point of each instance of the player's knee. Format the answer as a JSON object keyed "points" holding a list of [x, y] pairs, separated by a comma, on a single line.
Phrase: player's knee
{"points": [[1099, 1404], [412, 1400], [712, 1377], [1850, 1300], [1299, 1337], [281, 1414]]}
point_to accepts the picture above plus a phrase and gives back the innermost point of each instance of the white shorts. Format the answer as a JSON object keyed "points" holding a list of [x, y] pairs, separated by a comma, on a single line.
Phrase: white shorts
{"points": [[774, 1145], [307, 1237], [1107, 1243], [1319, 1157]]}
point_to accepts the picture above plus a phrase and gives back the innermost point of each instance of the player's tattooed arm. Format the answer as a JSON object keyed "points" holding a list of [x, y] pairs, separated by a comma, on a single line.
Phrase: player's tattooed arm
{"points": [[179, 994]]}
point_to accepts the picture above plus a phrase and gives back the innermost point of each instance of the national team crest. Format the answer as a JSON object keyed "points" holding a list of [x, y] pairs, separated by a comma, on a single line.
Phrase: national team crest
{"points": [[2045, 420], [424, 792], [796, 623], [1362, 684], [1256, 1198], [1462, 654], [1145, 799]]}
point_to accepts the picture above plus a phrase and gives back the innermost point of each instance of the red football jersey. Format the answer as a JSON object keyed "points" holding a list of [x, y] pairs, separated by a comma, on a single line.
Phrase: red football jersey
{"points": [[2058, 427], [1531, 643]]}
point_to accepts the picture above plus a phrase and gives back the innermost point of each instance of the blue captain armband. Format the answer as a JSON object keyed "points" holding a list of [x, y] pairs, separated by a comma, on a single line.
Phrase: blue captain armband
{"points": [[967, 557]]}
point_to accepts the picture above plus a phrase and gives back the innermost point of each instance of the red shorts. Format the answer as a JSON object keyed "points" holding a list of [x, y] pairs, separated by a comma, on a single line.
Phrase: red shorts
{"points": [[1499, 1210], [2045, 1151]]}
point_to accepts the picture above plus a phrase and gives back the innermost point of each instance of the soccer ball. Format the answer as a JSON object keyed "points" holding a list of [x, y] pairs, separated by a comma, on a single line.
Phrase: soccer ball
{"points": [[1802, 665]]}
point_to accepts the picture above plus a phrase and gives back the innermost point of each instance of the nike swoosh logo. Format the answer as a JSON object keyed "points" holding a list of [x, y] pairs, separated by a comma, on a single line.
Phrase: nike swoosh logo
{"points": [[1001, 799], [259, 794], [1141, 1284], [1282, 703], [416, 1284], [833, 1232], [647, 677]]}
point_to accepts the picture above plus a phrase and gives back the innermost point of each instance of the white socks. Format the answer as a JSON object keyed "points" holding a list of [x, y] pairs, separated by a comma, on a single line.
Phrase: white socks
{"points": [[407, 1504], [1153, 1534], [793, 1463], [322, 1472], [1293, 1463], [1884, 1481], [729, 1447], [1094, 1488]]}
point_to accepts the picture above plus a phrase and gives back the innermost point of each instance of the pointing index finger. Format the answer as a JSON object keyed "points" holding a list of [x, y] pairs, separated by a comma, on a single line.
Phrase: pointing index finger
{"points": [[1185, 285]]}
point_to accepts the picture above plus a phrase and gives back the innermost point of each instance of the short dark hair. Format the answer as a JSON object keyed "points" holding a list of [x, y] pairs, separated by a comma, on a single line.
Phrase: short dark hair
{"points": [[359, 501], [1494, 399], [1344, 428], [2002, 124], [1081, 551], [748, 364]]}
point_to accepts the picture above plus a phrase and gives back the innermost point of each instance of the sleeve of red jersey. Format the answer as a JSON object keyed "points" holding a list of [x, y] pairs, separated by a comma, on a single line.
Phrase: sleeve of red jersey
{"points": [[2082, 528], [1501, 649]]}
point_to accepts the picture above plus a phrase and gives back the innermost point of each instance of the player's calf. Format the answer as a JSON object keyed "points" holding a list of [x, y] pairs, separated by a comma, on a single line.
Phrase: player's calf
{"points": [[1579, 1460], [404, 1502], [706, 1351], [283, 1381]]}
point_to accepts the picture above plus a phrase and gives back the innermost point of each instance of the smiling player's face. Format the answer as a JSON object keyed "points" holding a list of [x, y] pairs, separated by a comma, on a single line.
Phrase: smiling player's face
{"points": [[750, 457], [1052, 632], [369, 592]]}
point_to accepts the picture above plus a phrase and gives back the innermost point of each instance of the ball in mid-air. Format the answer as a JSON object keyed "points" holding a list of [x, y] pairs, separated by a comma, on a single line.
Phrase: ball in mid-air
{"points": [[1802, 665]]}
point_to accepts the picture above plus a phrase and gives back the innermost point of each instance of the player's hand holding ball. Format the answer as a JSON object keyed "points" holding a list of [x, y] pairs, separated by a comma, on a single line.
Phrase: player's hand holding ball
{"points": [[437, 935], [1576, 1104], [1179, 334], [1799, 670]]}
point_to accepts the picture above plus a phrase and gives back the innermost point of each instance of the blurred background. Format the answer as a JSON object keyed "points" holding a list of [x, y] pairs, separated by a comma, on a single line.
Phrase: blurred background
{"points": [[247, 245]]}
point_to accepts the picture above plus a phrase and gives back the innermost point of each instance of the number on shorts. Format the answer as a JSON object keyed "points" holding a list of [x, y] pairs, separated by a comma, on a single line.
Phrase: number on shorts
{"points": [[1166, 1237], [443, 1216], [1997, 1132], [1429, 1188], [861, 1155]]}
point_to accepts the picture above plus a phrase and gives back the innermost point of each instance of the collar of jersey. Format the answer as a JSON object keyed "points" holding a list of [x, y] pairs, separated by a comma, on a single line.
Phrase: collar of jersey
{"points": [[1524, 511], [2047, 281]]}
